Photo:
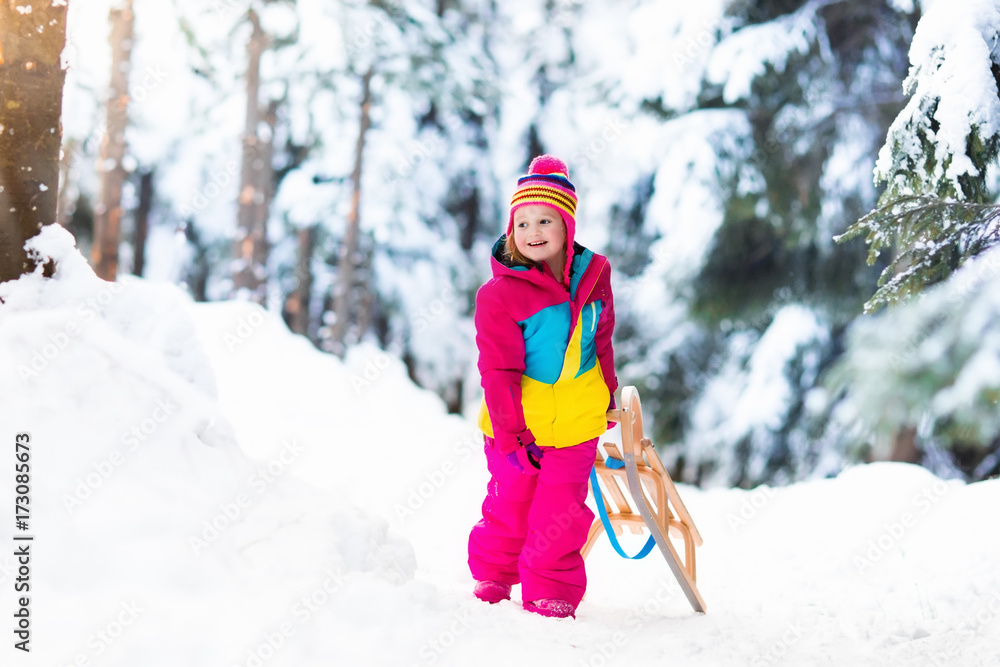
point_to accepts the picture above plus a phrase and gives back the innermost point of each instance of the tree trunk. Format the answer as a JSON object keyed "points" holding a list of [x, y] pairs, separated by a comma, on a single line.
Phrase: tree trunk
{"points": [[297, 305], [31, 84], [250, 275], [196, 275], [364, 284], [904, 446], [142, 221], [108, 212], [349, 246]]}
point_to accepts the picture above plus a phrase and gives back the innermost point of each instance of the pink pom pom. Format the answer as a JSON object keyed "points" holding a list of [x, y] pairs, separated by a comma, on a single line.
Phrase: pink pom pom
{"points": [[548, 164]]}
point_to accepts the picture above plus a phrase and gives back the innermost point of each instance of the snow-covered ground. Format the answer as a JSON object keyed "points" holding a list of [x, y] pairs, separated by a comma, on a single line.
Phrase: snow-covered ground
{"points": [[209, 490]]}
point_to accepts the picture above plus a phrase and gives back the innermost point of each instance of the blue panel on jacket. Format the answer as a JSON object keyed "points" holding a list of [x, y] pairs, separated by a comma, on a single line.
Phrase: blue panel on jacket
{"points": [[579, 264], [545, 336], [589, 319]]}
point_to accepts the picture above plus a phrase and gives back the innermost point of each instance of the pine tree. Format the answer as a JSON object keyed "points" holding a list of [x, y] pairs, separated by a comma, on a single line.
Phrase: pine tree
{"points": [[919, 376], [738, 399], [937, 209]]}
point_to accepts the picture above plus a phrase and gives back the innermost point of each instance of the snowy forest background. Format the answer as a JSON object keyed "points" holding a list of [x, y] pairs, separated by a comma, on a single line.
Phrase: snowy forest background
{"points": [[350, 164]]}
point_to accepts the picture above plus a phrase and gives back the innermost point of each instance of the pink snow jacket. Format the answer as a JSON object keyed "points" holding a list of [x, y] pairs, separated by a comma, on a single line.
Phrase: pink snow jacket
{"points": [[545, 354]]}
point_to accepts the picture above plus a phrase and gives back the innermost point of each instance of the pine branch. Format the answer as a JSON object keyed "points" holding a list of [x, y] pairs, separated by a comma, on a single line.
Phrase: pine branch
{"points": [[936, 236]]}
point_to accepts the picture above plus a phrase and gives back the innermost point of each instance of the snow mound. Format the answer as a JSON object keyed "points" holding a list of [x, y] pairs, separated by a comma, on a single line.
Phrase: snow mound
{"points": [[356, 418], [151, 527]]}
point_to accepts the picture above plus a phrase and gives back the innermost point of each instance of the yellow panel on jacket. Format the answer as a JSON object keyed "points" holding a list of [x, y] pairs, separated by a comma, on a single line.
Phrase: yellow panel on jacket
{"points": [[568, 412]]}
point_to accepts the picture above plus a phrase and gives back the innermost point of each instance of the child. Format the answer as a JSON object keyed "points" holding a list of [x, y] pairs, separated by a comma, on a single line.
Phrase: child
{"points": [[543, 328]]}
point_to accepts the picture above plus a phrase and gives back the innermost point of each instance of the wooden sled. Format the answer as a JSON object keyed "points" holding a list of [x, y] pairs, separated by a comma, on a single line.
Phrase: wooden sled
{"points": [[638, 471]]}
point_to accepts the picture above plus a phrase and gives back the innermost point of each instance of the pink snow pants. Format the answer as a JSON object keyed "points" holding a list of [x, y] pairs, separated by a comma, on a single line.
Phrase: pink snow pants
{"points": [[534, 526]]}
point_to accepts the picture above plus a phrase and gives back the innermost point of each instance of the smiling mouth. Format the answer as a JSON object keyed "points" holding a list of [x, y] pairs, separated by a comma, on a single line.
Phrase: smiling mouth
{"points": [[536, 244]]}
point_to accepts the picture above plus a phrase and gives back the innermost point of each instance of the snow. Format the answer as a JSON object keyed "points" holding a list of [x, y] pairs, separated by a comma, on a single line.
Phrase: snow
{"points": [[208, 489], [669, 45], [738, 60]]}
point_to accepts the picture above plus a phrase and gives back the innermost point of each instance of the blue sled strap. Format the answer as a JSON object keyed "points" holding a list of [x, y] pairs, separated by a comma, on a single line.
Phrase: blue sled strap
{"points": [[615, 464]]}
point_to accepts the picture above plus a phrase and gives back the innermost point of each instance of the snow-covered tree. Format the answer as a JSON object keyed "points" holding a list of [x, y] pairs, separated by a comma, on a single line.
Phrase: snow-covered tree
{"points": [[425, 183], [938, 207], [923, 373]]}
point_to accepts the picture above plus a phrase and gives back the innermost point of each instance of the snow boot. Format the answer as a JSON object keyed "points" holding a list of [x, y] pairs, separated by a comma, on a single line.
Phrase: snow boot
{"points": [[492, 591], [551, 607]]}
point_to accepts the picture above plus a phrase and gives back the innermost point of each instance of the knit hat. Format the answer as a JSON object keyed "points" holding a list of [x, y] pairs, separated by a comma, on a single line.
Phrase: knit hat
{"points": [[547, 183]]}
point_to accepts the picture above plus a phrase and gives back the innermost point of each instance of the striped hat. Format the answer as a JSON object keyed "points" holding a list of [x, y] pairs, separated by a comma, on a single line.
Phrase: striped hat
{"points": [[547, 183]]}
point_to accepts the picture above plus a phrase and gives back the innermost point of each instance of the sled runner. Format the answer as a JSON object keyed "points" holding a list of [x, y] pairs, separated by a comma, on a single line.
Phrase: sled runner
{"points": [[656, 505]]}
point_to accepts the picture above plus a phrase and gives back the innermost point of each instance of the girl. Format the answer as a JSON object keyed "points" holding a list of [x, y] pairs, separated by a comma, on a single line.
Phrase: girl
{"points": [[543, 328]]}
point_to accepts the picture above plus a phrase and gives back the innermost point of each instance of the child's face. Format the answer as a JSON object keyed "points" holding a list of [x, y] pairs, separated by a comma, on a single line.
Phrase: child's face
{"points": [[540, 233]]}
